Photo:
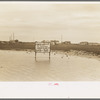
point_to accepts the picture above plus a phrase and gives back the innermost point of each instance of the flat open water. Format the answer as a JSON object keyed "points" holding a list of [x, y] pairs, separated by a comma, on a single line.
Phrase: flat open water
{"points": [[21, 66]]}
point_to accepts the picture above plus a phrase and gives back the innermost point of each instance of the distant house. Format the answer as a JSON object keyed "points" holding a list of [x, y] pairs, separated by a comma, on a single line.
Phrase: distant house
{"points": [[54, 42], [45, 41], [67, 42], [4, 42], [83, 43], [93, 43], [20, 42], [13, 41]]}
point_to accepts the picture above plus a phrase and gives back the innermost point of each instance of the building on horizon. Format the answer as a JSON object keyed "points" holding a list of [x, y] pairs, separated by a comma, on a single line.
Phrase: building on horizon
{"points": [[93, 43], [84, 43], [67, 42], [54, 42]]}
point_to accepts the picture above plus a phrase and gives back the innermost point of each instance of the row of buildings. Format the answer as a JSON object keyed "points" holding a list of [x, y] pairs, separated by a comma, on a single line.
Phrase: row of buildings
{"points": [[56, 42], [89, 43], [53, 42]]}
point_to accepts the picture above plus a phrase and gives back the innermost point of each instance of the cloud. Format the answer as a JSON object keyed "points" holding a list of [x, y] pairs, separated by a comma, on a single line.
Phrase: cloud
{"points": [[43, 20]]}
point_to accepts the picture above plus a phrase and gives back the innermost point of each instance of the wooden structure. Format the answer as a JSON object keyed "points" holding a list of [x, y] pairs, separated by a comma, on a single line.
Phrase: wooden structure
{"points": [[42, 47]]}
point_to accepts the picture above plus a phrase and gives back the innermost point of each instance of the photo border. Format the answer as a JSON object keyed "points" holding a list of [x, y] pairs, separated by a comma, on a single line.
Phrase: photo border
{"points": [[67, 88]]}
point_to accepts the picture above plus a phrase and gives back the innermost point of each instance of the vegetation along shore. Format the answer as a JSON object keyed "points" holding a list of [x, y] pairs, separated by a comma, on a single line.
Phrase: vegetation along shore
{"points": [[95, 49]]}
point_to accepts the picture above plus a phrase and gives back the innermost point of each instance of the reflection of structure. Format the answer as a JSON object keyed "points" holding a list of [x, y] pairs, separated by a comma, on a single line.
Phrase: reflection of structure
{"points": [[54, 42], [83, 43]]}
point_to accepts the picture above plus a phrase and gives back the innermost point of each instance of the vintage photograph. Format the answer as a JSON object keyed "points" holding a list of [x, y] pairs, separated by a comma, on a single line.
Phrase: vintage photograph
{"points": [[43, 41]]}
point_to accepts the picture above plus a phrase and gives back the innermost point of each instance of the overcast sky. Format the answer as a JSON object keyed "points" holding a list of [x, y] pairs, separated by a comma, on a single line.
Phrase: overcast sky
{"points": [[48, 21]]}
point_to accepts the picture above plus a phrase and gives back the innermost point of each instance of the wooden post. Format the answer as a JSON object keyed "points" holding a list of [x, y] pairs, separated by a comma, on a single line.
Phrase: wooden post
{"points": [[35, 55], [49, 55], [35, 51]]}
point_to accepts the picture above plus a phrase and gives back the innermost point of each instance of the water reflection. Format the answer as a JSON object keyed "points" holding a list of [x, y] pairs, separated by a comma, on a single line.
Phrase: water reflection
{"points": [[42, 69], [42, 62]]}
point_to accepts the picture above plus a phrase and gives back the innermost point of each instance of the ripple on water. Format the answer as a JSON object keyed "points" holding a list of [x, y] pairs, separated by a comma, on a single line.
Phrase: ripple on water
{"points": [[21, 66]]}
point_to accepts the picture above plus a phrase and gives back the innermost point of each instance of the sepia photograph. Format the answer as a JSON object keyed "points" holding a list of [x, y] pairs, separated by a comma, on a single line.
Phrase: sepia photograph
{"points": [[42, 41]]}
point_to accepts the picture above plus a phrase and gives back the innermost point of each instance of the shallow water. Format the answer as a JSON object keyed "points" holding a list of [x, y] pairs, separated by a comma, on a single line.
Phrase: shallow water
{"points": [[22, 66]]}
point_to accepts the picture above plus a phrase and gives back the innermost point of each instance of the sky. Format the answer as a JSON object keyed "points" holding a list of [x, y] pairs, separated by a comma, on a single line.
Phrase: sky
{"points": [[31, 21]]}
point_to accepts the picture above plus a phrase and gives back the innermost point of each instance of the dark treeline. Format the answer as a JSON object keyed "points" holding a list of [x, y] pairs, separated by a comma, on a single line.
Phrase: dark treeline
{"points": [[16, 46], [88, 48], [65, 47]]}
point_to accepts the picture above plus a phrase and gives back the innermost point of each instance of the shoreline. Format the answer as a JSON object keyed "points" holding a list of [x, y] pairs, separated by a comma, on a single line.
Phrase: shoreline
{"points": [[79, 53], [68, 53]]}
